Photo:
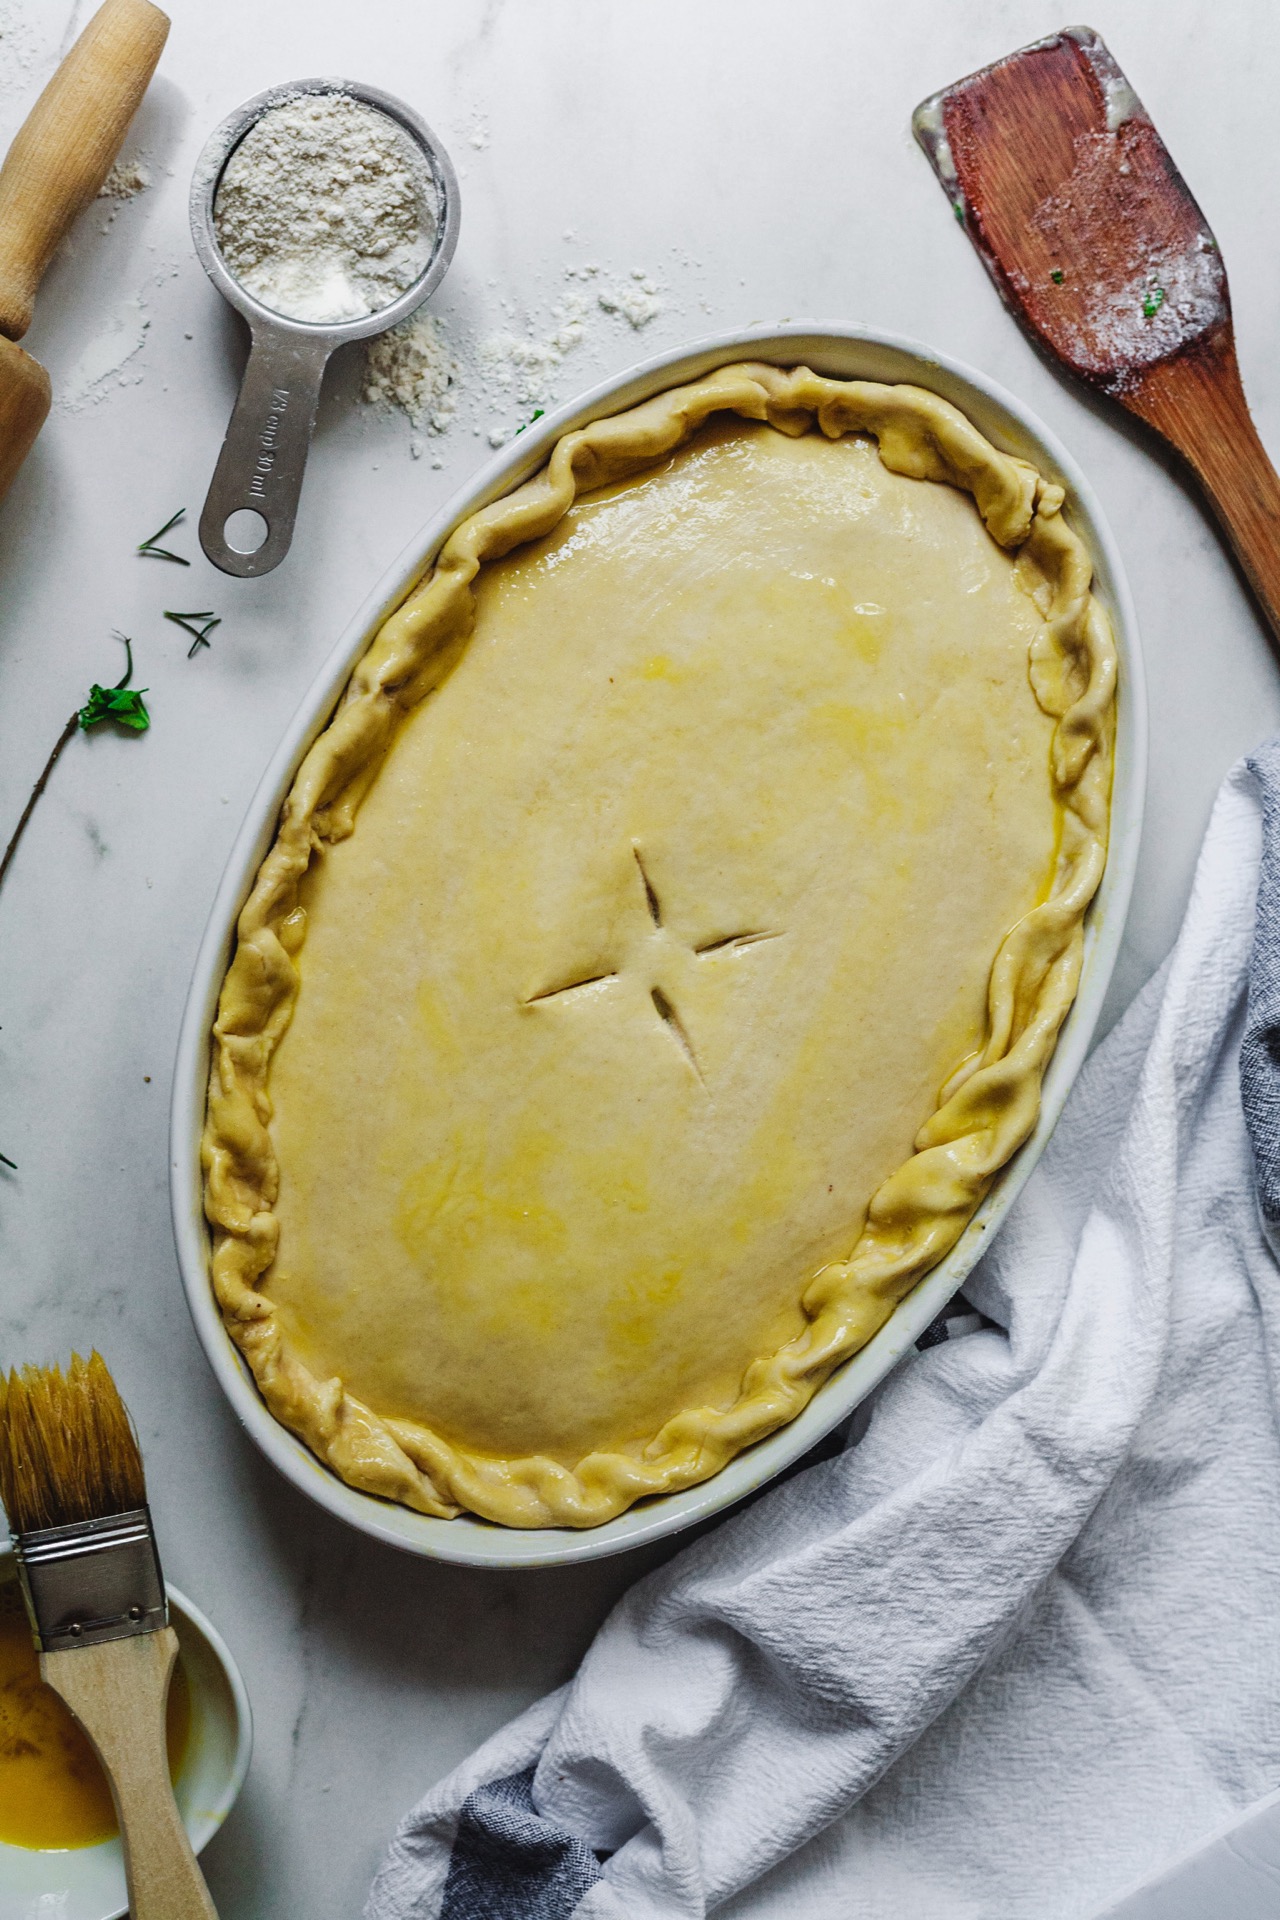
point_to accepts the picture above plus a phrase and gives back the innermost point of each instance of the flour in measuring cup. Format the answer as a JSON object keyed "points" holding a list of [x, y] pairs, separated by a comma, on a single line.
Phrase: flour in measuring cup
{"points": [[327, 210]]}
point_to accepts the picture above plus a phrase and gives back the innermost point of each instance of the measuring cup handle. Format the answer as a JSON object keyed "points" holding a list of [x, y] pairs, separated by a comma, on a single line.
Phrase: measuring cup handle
{"points": [[264, 455]]}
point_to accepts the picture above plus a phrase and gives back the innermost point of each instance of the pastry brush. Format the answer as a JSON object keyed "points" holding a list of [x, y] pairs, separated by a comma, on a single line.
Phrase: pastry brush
{"points": [[72, 1484]]}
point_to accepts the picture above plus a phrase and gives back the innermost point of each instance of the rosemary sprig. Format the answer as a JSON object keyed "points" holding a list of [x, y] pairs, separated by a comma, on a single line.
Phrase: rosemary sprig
{"points": [[184, 620], [149, 548], [120, 703]]}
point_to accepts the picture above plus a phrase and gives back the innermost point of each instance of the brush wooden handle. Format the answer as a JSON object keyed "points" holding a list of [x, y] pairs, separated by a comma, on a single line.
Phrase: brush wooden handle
{"points": [[1196, 402], [65, 148], [117, 1691]]}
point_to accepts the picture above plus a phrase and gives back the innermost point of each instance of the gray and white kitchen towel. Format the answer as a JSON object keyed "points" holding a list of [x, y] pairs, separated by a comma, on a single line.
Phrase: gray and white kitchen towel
{"points": [[1018, 1647]]}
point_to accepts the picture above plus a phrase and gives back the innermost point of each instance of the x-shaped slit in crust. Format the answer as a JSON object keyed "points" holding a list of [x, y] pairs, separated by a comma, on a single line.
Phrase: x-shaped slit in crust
{"points": [[735, 940], [569, 986], [662, 1004], [650, 892], [675, 1026]]}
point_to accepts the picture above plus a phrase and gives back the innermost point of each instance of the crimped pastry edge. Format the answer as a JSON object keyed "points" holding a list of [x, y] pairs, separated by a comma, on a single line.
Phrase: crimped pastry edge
{"points": [[985, 1112]]}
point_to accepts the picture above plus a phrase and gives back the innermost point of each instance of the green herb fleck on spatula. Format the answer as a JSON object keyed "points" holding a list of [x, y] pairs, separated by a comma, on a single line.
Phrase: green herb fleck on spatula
{"points": [[1153, 301], [1057, 276]]}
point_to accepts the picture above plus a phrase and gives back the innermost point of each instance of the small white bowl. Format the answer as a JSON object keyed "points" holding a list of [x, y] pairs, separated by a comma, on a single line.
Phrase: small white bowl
{"points": [[87, 1883], [843, 353]]}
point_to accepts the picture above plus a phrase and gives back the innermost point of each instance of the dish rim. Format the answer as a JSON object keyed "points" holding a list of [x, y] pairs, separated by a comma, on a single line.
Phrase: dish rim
{"points": [[842, 352]]}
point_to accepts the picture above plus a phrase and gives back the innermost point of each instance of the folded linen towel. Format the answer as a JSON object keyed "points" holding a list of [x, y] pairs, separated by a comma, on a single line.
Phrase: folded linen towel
{"points": [[1016, 1648]]}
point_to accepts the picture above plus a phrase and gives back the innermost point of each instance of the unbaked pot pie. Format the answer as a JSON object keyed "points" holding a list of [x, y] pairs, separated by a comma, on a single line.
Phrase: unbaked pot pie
{"points": [[662, 947]]}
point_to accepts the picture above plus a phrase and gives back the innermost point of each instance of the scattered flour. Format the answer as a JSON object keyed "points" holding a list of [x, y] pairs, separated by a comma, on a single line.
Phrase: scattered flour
{"points": [[636, 300], [508, 371], [327, 209], [126, 180], [520, 368], [101, 365], [414, 368], [20, 47]]}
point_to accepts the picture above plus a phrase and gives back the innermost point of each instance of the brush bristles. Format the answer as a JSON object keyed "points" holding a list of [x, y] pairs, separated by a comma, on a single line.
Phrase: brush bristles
{"points": [[68, 1452]]}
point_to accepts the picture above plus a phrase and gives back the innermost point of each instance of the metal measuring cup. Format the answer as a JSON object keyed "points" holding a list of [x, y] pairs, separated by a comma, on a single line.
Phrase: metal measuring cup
{"points": [[247, 522]]}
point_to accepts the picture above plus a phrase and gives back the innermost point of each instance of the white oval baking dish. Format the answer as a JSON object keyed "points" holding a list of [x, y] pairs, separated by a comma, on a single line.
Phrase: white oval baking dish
{"points": [[844, 353]]}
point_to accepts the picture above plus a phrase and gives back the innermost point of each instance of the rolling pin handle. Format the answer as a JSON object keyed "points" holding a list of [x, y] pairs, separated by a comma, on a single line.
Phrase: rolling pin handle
{"points": [[65, 148]]}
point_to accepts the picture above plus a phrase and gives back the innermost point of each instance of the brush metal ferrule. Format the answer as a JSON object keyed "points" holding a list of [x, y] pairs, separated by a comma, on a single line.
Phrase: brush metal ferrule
{"points": [[92, 1581]]}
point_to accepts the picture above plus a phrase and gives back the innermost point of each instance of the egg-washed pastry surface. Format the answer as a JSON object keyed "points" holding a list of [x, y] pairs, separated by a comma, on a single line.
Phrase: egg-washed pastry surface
{"points": [[662, 946]]}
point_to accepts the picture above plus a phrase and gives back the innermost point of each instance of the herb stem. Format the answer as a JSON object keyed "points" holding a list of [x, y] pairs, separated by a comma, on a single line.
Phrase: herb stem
{"points": [[122, 683], [7, 859]]}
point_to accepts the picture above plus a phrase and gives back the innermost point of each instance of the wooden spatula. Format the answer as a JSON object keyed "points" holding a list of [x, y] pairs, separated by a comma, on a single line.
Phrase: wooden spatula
{"points": [[1089, 231], [60, 157]]}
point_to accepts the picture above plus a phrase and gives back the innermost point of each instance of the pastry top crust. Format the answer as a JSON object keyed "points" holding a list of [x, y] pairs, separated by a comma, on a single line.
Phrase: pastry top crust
{"points": [[984, 1113]]}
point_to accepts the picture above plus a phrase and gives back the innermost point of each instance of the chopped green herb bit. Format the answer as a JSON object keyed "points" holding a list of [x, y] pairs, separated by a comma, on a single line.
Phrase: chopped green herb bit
{"points": [[121, 703], [153, 552], [1153, 302], [535, 415], [1057, 276], [957, 207], [200, 634]]}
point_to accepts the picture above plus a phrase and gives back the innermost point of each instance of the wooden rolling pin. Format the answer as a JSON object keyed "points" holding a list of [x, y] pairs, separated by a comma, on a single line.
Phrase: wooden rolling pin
{"points": [[61, 156]]}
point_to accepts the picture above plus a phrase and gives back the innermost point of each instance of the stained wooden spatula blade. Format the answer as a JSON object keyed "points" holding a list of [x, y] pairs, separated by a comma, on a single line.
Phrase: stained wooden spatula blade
{"points": [[1075, 204], [1098, 247]]}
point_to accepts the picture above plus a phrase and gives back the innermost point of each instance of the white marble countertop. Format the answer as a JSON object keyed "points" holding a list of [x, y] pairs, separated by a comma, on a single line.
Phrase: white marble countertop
{"points": [[754, 161]]}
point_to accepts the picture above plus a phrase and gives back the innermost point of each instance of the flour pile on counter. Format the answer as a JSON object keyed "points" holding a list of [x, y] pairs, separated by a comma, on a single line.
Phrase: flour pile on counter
{"points": [[510, 370], [413, 367], [126, 180], [327, 209]]}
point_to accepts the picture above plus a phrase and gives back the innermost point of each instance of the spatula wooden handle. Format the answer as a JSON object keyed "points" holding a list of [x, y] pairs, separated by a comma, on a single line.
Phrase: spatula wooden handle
{"points": [[117, 1692], [1197, 403], [65, 147]]}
